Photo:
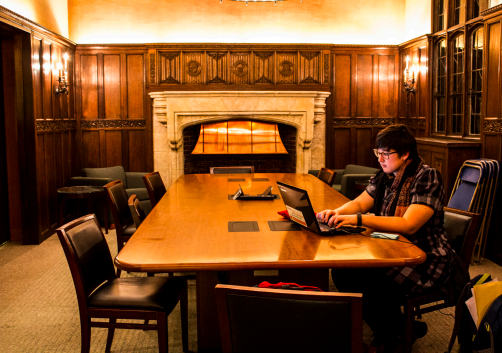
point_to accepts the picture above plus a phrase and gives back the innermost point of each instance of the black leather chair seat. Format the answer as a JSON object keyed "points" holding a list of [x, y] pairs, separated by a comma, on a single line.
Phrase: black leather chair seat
{"points": [[142, 293], [129, 230]]}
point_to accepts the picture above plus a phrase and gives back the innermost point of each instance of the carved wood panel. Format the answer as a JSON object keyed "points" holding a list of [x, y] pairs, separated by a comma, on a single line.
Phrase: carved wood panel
{"points": [[287, 67], [216, 67], [170, 67], [310, 67], [264, 67], [240, 68], [193, 72]]}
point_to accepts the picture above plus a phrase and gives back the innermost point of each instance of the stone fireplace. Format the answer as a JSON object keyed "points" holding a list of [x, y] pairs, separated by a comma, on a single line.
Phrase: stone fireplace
{"points": [[175, 111]]}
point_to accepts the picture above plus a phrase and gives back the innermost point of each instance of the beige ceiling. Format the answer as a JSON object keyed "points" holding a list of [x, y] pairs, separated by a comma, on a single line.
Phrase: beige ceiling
{"points": [[180, 21]]}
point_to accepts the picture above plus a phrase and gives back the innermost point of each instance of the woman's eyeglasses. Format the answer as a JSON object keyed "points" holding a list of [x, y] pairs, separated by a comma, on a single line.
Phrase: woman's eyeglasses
{"points": [[385, 155]]}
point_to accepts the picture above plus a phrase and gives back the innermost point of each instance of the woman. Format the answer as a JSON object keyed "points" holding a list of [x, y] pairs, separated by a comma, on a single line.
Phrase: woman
{"points": [[406, 197]]}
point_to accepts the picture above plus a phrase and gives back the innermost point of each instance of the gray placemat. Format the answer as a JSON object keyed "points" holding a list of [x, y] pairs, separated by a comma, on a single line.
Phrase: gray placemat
{"points": [[246, 226], [283, 226]]}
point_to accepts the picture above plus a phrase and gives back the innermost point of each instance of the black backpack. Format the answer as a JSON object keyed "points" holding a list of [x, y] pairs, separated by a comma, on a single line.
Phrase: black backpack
{"points": [[488, 337]]}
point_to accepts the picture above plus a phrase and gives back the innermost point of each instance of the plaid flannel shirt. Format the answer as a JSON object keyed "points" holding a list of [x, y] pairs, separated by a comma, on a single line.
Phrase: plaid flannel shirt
{"points": [[427, 189]]}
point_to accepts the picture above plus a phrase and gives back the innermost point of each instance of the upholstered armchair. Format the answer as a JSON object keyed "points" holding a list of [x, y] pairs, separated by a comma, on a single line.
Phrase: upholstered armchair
{"points": [[345, 179], [133, 182]]}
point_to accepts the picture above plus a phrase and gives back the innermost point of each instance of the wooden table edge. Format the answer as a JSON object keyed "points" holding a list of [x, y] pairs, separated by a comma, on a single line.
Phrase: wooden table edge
{"points": [[276, 265]]}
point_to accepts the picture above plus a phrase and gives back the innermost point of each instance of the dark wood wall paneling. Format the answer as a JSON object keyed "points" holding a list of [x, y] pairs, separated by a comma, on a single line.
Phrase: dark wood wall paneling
{"points": [[55, 125], [364, 101], [46, 126], [112, 108]]}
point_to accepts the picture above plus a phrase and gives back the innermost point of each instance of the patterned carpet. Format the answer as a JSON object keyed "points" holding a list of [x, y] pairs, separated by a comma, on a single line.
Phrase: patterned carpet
{"points": [[39, 313]]}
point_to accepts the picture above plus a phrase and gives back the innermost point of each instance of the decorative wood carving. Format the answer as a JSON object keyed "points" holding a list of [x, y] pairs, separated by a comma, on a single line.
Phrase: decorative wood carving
{"points": [[239, 64], [112, 124], [415, 123], [152, 68], [170, 67], [326, 68], [52, 125], [193, 67], [216, 65], [492, 126], [309, 67], [264, 67], [286, 67], [363, 122]]}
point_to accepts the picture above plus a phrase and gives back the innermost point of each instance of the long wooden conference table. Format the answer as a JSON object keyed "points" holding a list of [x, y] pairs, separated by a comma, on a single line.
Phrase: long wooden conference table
{"points": [[188, 231]]}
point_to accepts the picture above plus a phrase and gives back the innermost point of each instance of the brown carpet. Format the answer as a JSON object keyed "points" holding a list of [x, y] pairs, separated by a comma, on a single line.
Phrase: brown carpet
{"points": [[39, 313]]}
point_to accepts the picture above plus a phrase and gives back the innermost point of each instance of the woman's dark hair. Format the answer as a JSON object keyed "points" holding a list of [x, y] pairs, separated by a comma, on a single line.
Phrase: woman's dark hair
{"points": [[398, 137]]}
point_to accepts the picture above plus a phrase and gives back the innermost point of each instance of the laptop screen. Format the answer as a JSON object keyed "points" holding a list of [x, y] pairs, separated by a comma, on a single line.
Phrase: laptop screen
{"points": [[299, 207]]}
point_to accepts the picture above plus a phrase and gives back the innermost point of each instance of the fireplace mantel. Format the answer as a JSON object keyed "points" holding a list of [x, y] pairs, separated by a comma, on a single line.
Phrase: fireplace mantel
{"points": [[174, 111]]}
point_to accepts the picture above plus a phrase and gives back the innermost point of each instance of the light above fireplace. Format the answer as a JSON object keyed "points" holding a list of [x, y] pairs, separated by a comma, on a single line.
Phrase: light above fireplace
{"points": [[239, 137]]}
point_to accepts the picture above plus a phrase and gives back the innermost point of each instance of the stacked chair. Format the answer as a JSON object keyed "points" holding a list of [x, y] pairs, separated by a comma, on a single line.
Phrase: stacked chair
{"points": [[474, 191]]}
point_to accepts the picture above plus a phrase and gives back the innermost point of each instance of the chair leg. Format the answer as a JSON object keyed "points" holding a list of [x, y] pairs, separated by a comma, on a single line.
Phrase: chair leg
{"points": [[118, 272], [409, 317], [162, 331], [184, 316], [109, 338], [85, 332]]}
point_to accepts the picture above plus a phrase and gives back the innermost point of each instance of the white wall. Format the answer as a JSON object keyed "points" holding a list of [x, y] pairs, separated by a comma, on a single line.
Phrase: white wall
{"points": [[51, 14], [197, 21], [417, 18]]}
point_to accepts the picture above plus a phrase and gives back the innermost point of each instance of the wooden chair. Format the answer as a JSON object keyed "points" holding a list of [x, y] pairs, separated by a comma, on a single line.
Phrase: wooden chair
{"points": [[231, 170], [327, 175], [462, 228], [155, 187], [122, 218], [279, 320], [137, 212], [100, 294]]}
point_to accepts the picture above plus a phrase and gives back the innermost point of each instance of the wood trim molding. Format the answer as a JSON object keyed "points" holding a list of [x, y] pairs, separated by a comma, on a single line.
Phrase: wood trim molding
{"points": [[112, 124], [54, 125], [491, 10], [362, 122], [239, 46]]}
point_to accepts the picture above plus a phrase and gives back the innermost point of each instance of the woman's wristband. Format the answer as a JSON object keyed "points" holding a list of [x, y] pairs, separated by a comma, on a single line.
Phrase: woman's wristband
{"points": [[359, 219]]}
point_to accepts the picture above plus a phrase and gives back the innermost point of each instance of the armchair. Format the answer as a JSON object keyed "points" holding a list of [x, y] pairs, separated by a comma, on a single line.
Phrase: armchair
{"points": [[133, 182], [345, 179]]}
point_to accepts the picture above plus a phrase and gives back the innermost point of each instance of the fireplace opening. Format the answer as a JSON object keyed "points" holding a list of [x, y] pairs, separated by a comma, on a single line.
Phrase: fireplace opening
{"points": [[263, 163]]}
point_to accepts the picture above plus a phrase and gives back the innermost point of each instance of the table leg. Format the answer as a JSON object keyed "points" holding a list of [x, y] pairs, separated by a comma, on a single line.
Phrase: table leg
{"points": [[105, 213], [61, 204]]}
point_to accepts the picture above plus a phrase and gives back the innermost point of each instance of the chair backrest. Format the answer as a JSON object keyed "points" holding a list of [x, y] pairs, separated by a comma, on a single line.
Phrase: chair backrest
{"points": [[88, 255], [327, 175], [231, 170], [155, 187], [137, 212], [276, 320], [114, 173], [462, 228], [117, 201]]}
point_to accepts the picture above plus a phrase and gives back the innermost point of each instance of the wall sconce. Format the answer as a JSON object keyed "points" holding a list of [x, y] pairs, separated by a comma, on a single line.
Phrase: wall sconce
{"points": [[409, 87], [62, 85]]}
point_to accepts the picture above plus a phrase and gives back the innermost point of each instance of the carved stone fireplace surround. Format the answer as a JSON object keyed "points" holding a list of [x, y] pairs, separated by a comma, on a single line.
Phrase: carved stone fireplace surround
{"points": [[174, 111]]}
